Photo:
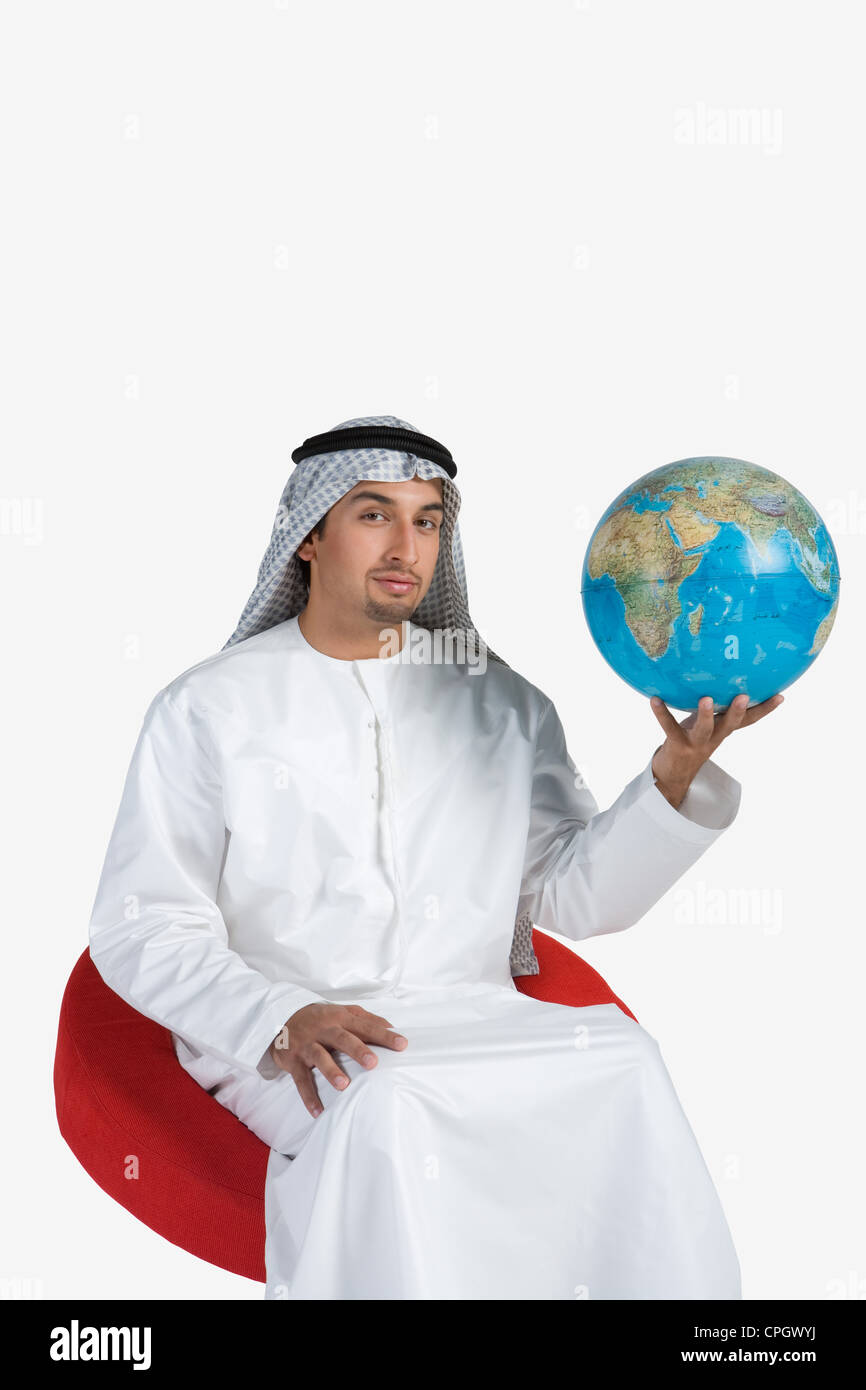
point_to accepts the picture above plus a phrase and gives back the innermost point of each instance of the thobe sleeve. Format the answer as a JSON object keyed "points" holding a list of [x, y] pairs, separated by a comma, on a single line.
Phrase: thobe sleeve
{"points": [[157, 935], [587, 872]]}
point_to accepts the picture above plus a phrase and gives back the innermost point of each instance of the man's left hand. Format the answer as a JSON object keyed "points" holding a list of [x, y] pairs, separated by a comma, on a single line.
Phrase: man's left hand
{"points": [[689, 744]]}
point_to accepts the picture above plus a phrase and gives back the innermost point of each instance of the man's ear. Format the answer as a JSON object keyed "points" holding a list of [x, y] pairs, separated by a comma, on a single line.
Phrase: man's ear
{"points": [[306, 541]]}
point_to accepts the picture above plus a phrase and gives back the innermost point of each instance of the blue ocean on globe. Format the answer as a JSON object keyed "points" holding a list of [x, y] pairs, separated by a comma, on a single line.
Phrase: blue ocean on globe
{"points": [[710, 576]]}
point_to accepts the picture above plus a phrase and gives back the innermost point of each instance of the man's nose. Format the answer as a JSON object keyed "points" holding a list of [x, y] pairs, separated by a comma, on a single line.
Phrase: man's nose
{"points": [[403, 544]]}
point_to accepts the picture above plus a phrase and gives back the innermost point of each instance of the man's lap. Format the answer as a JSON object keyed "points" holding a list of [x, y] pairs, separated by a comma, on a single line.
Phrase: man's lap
{"points": [[482, 1052]]}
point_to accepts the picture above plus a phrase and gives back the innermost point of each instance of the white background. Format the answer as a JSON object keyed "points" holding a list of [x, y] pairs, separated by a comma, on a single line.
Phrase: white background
{"points": [[573, 241]]}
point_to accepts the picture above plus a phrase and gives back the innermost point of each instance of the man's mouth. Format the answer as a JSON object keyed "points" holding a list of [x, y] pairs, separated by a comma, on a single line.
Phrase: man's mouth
{"points": [[397, 586]]}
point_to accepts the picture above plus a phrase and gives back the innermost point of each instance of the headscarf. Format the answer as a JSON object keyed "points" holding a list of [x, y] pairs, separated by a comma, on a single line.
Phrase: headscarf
{"points": [[316, 484]]}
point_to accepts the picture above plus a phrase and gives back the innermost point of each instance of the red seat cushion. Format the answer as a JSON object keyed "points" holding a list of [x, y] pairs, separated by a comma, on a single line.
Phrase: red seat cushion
{"points": [[155, 1140]]}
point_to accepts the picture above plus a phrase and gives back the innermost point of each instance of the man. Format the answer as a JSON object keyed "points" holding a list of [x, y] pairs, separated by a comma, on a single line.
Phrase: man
{"points": [[325, 867]]}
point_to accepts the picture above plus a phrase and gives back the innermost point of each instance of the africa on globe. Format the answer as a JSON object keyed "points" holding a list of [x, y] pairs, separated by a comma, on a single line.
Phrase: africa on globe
{"points": [[710, 576]]}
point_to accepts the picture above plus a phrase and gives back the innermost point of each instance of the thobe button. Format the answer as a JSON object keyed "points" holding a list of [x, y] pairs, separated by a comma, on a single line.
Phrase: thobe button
{"points": [[370, 723]]}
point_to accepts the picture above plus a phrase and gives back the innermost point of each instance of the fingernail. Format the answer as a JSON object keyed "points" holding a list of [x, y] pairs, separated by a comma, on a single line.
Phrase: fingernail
{"points": [[318, 1110], [341, 1082]]}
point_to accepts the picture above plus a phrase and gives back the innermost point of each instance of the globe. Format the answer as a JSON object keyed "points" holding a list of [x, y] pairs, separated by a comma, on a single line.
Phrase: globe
{"points": [[710, 576]]}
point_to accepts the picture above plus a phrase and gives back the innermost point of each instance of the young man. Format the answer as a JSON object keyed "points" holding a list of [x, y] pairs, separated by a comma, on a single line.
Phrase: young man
{"points": [[323, 876]]}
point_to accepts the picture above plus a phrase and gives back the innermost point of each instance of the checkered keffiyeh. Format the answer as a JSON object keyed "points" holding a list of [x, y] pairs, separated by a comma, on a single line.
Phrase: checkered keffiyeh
{"points": [[316, 484]]}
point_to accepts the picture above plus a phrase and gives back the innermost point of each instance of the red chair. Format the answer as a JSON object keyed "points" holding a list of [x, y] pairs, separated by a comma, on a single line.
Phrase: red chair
{"points": [[155, 1140]]}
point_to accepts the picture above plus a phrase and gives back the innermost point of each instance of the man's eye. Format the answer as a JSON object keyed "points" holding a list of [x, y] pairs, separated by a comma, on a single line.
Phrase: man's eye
{"points": [[364, 516]]}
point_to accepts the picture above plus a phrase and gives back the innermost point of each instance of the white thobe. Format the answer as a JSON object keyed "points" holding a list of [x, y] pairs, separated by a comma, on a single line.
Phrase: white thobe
{"points": [[295, 828]]}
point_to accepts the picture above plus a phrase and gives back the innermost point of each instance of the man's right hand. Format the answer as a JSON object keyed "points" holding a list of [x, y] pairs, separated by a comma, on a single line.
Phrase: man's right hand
{"points": [[305, 1040]]}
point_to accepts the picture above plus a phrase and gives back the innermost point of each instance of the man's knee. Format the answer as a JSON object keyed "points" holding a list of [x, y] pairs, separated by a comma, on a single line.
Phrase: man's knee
{"points": [[645, 1049]]}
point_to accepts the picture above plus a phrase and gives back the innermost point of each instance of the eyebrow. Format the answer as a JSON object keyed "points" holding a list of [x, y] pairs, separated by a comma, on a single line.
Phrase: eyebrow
{"points": [[389, 501]]}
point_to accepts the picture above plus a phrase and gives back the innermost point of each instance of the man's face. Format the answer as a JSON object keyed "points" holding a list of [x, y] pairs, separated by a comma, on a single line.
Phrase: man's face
{"points": [[377, 529]]}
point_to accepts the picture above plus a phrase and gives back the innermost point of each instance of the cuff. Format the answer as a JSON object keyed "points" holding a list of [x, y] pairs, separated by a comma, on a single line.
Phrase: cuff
{"points": [[709, 806]]}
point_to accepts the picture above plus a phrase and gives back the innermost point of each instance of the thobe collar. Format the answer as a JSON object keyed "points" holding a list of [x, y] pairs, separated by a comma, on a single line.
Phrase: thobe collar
{"points": [[297, 638]]}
